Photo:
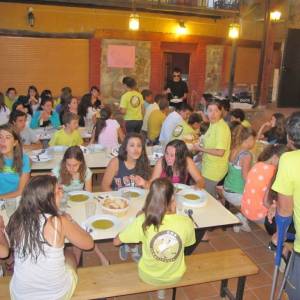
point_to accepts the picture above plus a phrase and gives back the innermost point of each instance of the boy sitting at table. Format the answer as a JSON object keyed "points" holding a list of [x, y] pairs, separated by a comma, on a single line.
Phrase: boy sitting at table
{"points": [[69, 135]]}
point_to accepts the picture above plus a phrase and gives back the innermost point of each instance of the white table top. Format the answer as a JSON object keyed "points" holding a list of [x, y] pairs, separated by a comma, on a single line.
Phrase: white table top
{"points": [[213, 214], [94, 160]]}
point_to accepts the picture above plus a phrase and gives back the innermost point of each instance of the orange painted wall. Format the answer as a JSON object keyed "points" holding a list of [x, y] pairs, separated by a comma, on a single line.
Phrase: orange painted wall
{"points": [[45, 63]]}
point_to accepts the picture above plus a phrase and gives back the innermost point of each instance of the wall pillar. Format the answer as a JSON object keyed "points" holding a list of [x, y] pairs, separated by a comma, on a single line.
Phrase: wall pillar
{"points": [[94, 61]]}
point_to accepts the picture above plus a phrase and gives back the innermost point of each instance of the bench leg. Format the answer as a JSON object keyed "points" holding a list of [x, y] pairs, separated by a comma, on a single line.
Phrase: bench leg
{"points": [[240, 288], [174, 294], [239, 291]]}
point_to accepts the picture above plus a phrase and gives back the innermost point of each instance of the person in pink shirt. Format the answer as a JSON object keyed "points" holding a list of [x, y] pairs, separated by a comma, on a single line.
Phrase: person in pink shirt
{"points": [[107, 131], [254, 205]]}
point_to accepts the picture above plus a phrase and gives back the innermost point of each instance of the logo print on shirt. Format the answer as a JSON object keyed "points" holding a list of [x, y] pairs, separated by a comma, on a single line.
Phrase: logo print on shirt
{"points": [[177, 130], [135, 101], [166, 246]]}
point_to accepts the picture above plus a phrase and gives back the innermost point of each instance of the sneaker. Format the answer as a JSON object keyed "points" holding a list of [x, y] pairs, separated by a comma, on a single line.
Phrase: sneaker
{"points": [[161, 294], [123, 252], [136, 253], [245, 225]]}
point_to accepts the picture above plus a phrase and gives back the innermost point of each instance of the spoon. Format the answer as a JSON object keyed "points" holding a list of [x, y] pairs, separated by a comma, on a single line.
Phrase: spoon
{"points": [[190, 212]]}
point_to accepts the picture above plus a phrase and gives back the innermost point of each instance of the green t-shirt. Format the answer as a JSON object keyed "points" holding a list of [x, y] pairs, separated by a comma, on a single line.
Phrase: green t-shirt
{"points": [[287, 183], [9, 103], [133, 102], [182, 130], [162, 261], [218, 136], [61, 138]]}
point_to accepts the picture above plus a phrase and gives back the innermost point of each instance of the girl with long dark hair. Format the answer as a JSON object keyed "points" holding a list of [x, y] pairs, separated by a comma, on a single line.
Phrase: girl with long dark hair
{"points": [[131, 161], [4, 110], [37, 233], [107, 131], [177, 165]]}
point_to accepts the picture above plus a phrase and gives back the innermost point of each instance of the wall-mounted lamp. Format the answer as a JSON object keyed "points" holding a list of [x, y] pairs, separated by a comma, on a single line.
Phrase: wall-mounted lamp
{"points": [[275, 15], [234, 31], [181, 28], [134, 22], [30, 17]]}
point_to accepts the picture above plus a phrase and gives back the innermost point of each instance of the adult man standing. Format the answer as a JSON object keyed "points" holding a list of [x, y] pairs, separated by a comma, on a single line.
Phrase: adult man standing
{"points": [[176, 89], [287, 185]]}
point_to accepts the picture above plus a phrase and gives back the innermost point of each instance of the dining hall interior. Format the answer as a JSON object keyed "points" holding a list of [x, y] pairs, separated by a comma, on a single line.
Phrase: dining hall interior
{"points": [[146, 148]]}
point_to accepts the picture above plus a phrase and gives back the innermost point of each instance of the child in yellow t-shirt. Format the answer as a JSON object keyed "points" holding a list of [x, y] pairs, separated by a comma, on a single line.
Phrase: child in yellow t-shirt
{"points": [[163, 235], [69, 135]]}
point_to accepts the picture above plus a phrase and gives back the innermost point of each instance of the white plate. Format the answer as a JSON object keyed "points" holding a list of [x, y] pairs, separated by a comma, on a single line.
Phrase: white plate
{"points": [[193, 203], [140, 191], [176, 100], [90, 196], [41, 158], [180, 187], [87, 224], [58, 149], [95, 147]]}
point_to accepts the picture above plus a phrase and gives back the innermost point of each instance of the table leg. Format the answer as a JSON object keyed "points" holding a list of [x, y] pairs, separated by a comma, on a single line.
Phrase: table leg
{"points": [[240, 288], [174, 294]]}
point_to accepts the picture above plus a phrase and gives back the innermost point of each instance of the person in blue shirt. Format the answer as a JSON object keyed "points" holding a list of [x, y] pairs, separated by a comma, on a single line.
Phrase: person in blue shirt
{"points": [[45, 116], [14, 164]]}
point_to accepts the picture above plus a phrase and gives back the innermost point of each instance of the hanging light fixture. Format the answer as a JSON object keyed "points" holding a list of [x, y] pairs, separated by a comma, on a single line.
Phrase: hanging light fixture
{"points": [[234, 31], [134, 22], [181, 28], [275, 15]]}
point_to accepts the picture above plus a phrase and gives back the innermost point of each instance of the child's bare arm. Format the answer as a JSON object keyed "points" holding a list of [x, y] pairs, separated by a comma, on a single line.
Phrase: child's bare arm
{"points": [[4, 248]]}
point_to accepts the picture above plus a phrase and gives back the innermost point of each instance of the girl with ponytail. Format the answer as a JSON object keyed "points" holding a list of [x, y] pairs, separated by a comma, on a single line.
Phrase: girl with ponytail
{"points": [[107, 131]]}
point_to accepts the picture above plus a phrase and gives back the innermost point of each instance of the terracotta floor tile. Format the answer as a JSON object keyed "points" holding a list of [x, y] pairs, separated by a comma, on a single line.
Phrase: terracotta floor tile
{"points": [[204, 248], [260, 254], [259, 280], [232, 285], [201, 291], [216, 232], [263, 236], [143, 296], [245, 239], [262, 293], [223, 243], [180, 295], [268, 268]]}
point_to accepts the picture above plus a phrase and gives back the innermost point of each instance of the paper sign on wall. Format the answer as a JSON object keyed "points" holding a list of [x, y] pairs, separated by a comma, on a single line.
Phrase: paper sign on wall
{"points": [[121, 56]]}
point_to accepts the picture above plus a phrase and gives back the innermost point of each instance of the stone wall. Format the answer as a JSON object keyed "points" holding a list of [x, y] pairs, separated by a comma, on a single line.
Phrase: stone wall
{"points": [[213, 69], [111, 78]]}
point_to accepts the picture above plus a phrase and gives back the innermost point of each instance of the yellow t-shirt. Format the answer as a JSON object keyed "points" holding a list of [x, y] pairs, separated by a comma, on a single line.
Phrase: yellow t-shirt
{"points": [[162, 261], [61, 138], [155, 121], [133, 102], [9, 103], [287, 183], [246, 124], [218, 136], [182, 130]]}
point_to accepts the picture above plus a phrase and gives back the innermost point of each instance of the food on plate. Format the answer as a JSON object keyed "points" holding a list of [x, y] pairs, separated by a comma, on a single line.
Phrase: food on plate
{"points": [[191, 197], [102, 224], [115, 203], [131, 194], [79, 198]]}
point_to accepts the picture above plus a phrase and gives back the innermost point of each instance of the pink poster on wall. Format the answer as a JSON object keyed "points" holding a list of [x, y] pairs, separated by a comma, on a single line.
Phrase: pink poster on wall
{"points": [[121, 56]]}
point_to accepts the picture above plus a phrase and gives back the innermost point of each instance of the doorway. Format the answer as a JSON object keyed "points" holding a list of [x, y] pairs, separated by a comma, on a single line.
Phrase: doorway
{"points": [[176, 60], [289, 85]]}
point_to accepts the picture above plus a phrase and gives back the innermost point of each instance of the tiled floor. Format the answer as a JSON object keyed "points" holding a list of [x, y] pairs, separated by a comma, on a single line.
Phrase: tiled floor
{"points": [[254, 244]]}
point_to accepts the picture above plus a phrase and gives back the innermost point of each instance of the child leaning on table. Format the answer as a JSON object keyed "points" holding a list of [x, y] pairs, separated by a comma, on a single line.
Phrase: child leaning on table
{"points": [[69, 135], [163, 235], [74, 175]]}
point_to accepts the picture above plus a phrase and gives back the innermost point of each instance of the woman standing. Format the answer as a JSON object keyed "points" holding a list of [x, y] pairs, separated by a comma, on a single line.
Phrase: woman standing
{"points": [[215, 149], [132, 106]]}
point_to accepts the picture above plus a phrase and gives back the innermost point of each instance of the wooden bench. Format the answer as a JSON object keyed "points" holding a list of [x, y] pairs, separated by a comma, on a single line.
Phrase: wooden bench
{"points": [[122, 279]]}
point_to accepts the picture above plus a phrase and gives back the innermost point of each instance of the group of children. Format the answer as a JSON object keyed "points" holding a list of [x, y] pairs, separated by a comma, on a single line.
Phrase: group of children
{"points": [[36, 231]]}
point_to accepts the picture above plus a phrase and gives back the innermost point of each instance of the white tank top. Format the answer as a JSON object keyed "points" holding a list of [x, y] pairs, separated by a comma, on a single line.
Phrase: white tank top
{"points": [[44, 279]]}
